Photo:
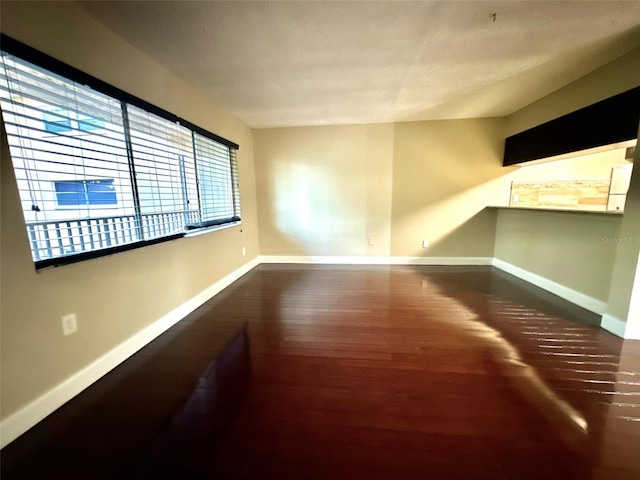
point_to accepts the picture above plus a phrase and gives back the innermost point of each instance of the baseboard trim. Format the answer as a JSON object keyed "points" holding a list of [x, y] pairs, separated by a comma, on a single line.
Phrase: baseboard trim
{"points": [[19, 422], [614, 325], [585, 301], [377, 260]]}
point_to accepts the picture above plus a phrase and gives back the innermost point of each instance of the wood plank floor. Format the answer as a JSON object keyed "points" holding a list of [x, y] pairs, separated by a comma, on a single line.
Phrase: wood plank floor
{"points": [[334, 372]]}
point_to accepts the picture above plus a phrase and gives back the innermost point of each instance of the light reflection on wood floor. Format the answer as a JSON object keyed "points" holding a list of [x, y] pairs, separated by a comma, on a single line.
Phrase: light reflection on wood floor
{"points": [[336, 372]]}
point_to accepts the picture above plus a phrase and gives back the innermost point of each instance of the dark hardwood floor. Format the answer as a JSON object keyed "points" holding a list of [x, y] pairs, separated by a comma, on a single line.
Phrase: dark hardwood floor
{"points": [[334, 372]]}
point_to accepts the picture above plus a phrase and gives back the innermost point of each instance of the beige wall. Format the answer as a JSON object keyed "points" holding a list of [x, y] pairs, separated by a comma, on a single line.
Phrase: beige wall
{"points": [[566, 248], [333, 190], [116, 296], [444, 175], [324, 190]]}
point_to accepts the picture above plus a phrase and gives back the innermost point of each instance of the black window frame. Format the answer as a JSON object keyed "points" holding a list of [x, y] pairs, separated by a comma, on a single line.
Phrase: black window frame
{"points": [[18, 49]]}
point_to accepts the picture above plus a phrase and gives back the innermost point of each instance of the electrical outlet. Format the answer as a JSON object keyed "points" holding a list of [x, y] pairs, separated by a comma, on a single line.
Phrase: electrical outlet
{"points": [[69, 324], [244, 251], [371, 241], [425, 243]]}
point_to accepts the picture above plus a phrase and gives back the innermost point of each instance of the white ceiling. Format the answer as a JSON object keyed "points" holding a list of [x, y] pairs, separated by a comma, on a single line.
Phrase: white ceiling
{"points": [[297, 63]]}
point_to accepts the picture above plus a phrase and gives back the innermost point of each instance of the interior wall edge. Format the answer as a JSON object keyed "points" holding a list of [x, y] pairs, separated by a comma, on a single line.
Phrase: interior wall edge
{"points": [[28, 416]]}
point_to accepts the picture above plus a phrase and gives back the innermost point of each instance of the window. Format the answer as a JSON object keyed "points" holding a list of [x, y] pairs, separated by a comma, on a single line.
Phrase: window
{"points": [[75, 193], [100, 171], [218, 180], [56, 121], [88, 124], [59, 121], [165, 173]]}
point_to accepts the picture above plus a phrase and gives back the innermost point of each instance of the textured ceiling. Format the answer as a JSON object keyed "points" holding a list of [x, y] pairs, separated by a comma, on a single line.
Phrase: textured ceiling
{"points": [[316, 63]]}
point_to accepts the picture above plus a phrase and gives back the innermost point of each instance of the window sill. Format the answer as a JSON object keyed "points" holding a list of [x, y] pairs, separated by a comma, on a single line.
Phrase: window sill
{"points": [[201, 231]]}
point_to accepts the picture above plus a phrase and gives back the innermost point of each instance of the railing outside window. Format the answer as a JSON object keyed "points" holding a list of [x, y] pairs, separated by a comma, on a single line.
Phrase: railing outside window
{"points": [[67, 237]]}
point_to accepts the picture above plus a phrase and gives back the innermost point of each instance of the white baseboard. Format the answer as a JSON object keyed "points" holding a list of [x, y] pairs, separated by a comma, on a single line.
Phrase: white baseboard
{"points": [[377, 260], [19, 422], [614, 325], [585, 301]]}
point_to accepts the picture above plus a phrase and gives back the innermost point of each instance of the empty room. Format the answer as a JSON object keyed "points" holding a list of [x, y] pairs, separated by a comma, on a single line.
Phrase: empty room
{"points": [[320, 240]]}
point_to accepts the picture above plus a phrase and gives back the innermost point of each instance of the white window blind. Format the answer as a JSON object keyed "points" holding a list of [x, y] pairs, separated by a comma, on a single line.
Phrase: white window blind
{"points": [[32, 100], [96, 172], [165, 173], [216, 179]]}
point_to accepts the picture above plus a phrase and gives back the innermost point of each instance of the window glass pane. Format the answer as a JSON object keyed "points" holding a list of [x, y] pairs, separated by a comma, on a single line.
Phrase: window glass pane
{"points": [[100, 192], [70, 193], [86, 192], [88, 124], [56, 121]]}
